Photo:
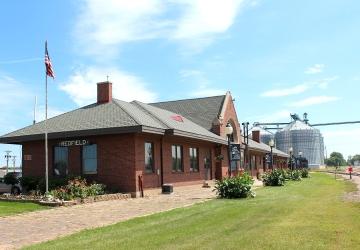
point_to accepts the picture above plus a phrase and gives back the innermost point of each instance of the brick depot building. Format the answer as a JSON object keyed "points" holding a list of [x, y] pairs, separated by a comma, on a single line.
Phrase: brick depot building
{"points": [[115, 142]]}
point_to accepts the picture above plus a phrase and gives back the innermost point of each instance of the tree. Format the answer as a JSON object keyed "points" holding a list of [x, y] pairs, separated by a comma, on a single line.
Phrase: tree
{"points": [[355, 158], [336, 159]]}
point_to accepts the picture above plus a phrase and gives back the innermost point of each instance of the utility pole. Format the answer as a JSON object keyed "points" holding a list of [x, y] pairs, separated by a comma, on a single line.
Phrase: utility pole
{"points": [[14, 161], [7, 157]]}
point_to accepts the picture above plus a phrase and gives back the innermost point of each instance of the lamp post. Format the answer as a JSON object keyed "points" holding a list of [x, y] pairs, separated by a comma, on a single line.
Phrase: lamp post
{"points": [[245, 125], [228, 131], [290, 152], [271, 144]]}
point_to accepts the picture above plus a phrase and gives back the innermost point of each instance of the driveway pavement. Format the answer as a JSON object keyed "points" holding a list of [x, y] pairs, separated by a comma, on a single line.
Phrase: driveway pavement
{"points": [[33, 227]]}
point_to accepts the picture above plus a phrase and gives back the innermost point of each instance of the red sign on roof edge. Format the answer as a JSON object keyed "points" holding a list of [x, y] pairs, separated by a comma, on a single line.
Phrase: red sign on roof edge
{"points": [[177, 118]]}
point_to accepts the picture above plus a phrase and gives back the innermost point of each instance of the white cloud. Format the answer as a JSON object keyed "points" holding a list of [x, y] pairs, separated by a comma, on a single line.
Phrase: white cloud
{"points": [[81, 86], [101, 28], [315, 69], [324, 83], [200, 84], [300, 88], [286, 91], [314, 100], [203, 17]]}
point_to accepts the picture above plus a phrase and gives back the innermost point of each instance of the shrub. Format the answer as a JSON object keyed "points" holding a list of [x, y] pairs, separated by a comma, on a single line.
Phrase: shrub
{"points": [[274, 178], [96, 189], [29, 183], [77, 188], [62, 194], [235, 187], [295, 175], [11, 179], [54, 183], [304, 173]]}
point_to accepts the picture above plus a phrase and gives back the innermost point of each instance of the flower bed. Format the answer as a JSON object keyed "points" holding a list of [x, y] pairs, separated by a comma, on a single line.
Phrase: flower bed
{"points": [[56, 202]]}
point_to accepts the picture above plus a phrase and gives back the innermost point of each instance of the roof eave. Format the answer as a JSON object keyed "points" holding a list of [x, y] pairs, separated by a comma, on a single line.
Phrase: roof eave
{"points": [[68, 134], [196, 136]]}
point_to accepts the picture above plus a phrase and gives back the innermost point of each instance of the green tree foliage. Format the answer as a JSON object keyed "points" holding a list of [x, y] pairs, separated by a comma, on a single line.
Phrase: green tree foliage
{"points": [[353, 159], [335, 159]]}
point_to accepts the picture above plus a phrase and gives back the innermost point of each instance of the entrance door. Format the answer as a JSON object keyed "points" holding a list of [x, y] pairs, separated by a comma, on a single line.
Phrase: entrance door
{"points": [[207, 166]]}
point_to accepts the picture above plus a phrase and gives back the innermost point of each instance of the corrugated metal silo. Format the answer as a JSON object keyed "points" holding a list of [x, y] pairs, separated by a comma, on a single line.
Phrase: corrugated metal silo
{"points": [[302, 138]]}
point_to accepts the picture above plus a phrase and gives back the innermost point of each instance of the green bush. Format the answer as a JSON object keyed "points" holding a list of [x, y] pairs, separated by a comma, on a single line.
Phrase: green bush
{"points": [[304, 173], [78, 188], [235, 187], [295, 175], [29, 183], [11, 179], [96, 189], [54, 183], [276, 177]]}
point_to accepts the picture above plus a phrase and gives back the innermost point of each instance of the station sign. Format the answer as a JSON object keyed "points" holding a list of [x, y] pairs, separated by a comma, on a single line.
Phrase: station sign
{"points": [[73, 143]]}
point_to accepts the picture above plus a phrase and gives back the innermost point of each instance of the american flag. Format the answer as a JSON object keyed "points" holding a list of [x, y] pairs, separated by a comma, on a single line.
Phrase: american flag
{"points": [[48, 66]]}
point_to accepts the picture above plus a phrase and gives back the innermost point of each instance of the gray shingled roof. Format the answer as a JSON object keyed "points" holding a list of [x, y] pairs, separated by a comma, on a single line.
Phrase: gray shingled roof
{"points": [[265, 148], [202, 111], [113, 117]]}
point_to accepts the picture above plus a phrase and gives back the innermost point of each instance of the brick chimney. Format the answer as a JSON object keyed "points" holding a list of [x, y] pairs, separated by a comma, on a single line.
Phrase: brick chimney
{"points": [[104, 92], [256, 136]]}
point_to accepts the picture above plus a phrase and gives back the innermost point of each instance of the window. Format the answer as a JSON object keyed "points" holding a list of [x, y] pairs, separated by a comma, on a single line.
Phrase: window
{"points": [[89, 159], [149, 157], [176, 153], [61, 161], [194, 159]]}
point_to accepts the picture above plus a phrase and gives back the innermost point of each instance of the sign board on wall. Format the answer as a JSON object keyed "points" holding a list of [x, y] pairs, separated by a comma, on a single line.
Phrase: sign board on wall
{"points": [[235, 152], [27, 157], [73, 143]]}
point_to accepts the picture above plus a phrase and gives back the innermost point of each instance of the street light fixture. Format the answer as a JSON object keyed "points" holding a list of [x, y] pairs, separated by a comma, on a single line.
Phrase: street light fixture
{"points": [[229, 131], [291, 152], [271, 144], [300, 154]]}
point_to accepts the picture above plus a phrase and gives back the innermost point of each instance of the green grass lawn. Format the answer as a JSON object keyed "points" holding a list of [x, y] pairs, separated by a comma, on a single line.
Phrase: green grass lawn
{"points": [[14, 207], [301, 215]]}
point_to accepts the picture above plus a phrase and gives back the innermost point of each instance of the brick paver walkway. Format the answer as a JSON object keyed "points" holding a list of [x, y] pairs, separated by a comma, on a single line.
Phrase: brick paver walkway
{"points": [[29, 228]]}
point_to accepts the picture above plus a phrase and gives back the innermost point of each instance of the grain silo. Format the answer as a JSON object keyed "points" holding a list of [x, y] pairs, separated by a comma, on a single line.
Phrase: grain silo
{"points": [[302, 138]]}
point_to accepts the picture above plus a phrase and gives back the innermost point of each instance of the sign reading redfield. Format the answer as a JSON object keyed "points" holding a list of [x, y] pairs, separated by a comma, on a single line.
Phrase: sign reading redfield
{"points": [[73, 143]]}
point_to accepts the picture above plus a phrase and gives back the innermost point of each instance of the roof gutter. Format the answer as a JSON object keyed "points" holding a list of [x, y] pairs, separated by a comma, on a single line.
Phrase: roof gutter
{"points": [[76, 133], [196, 136]]}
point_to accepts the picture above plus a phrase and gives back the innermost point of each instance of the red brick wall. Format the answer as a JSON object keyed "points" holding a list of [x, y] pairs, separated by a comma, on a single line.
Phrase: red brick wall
{"points": [[222, 167], [115, 156], [153, 179], [121, 160]]}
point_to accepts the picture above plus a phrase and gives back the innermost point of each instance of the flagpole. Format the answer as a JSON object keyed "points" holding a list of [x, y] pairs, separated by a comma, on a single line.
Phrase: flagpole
{"points": [[46, 134]]}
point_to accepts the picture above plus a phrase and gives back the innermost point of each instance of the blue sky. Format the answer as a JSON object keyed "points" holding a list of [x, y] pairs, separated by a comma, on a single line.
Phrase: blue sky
{"points": [[276, 57]]}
